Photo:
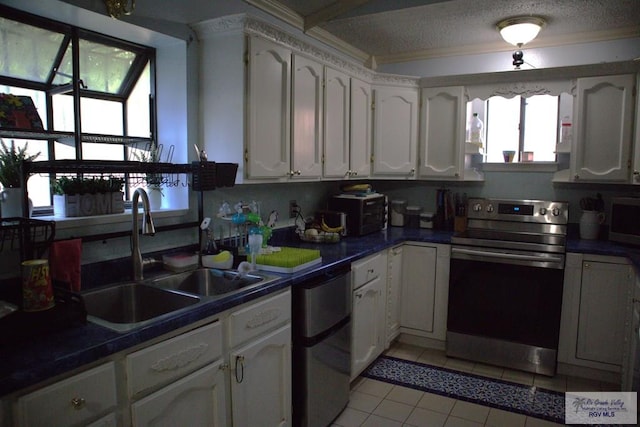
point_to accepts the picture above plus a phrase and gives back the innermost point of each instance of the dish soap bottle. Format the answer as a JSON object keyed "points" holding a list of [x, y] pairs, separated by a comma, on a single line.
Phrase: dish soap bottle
{"points": [[476, 126]]}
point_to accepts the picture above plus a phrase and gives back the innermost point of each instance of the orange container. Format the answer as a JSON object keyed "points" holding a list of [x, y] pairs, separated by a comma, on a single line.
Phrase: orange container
{"points": [[37, 293]]}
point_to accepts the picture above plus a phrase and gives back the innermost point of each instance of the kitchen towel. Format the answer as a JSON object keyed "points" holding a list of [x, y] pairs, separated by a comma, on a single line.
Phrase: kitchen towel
{"points": [[64, 262]]}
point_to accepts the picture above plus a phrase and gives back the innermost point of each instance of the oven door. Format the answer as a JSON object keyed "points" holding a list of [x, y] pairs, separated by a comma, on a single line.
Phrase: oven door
{"points": [[506, 295]]}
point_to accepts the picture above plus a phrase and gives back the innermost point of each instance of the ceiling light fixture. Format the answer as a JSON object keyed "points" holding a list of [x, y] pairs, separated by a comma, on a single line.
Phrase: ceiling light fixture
{"points": [[117, 8], [519, 31]]}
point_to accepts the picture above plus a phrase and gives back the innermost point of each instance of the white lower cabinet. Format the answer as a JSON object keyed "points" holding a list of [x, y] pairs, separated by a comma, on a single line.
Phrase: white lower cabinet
{"points": [[198, 396], [394, 284], [369, 311], [260, 362], [261, 381], [197, 399], [596, 301], [425, 284], [77, 400]]}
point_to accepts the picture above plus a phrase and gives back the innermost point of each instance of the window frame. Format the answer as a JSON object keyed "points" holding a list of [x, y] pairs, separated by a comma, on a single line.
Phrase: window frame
{"points": [[73, 34]]}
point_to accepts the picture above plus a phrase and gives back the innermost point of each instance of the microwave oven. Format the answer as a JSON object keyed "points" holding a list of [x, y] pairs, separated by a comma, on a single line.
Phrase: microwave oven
{"points": [[366, 213], [624, 220]]}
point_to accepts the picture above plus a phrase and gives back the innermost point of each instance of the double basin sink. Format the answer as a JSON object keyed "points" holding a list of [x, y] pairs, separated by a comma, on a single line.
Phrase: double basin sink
{"points": [[130, 305]]}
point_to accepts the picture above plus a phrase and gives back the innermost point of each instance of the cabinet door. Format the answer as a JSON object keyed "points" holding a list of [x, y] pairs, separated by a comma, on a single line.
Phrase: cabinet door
{"points": [[395, 131], [306, 141], [418, 287], [261, 381], [442, 127], [197, 399], [601, 320], [337, 95], [603, 120], [394, 283], [268, 110], [360, 141], [635, 177], [368, 324]]}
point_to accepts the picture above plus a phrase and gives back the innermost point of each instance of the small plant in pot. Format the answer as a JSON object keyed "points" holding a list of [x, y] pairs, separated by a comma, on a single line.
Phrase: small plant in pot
{"points": [[11, 161], [74, 196]]}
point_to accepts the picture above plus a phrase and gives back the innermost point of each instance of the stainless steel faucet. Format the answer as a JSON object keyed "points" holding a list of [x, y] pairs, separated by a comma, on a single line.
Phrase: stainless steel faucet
{"points": [[147, 229]]}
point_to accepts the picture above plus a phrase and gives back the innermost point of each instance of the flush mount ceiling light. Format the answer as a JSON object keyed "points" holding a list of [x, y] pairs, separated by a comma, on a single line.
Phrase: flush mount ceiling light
{"points": [[520, 30], [117, 8]]}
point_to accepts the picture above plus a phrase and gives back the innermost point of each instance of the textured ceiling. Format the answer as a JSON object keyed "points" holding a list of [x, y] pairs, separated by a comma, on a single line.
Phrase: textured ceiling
{"points": [[446, 26]]}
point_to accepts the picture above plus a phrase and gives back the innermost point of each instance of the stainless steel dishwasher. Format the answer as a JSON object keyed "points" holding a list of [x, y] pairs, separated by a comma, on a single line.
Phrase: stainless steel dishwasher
{"points": [[321, 348]]}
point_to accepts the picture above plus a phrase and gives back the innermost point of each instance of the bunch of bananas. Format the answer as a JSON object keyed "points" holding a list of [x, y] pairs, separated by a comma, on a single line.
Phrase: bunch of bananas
{"points": [[324, 227]]}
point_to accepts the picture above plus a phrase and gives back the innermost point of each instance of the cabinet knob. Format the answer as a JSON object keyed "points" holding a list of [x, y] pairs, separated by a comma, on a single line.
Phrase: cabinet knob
{"points": [[78, 403]]}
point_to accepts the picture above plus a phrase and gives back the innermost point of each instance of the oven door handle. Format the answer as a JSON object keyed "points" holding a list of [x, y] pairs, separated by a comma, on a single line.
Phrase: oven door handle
{"points": [[505, 256]]}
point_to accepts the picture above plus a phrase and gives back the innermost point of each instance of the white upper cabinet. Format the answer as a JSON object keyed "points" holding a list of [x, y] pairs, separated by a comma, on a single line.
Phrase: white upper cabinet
{"points": [[635, 177], [337, 97], [268, 129], [395, 131], [360, 140], [306, 113], [442, 129], [604, 122]]}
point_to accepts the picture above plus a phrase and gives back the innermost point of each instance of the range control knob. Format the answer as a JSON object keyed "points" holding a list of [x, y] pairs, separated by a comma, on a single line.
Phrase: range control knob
{"points": [[555, 211], [543, 211], [489, 208], [477, 207]]}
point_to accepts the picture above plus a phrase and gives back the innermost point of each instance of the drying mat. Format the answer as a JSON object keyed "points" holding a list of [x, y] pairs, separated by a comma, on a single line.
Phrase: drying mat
{"points": [[528, 400], [288, 260]]}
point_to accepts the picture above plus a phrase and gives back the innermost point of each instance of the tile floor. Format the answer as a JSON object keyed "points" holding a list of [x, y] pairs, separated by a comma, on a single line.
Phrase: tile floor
{"points": [[379, 404]]}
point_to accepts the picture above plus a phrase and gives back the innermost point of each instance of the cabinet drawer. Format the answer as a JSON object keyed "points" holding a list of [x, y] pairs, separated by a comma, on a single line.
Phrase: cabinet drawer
{"points": [[173, 358], [258, 318], [366, 270], [72, 401]]}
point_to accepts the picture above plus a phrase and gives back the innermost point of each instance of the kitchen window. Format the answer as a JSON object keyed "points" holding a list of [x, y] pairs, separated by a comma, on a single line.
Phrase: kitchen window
{"points": [[527, 126], [95, 94]]}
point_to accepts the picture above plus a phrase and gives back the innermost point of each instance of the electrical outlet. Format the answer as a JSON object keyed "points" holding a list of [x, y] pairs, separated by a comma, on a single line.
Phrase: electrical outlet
{"points": [[294, 209]]}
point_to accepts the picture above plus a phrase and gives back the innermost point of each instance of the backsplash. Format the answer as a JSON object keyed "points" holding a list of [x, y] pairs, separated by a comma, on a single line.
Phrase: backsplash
{"points": [[313, 196]]}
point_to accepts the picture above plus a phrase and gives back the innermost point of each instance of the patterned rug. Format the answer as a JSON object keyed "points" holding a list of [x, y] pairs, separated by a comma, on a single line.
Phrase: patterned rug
{"points": [[528, 400]]}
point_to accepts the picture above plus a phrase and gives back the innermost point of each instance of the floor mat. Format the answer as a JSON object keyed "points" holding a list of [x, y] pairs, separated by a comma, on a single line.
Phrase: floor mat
{"points": [[528, 400]]}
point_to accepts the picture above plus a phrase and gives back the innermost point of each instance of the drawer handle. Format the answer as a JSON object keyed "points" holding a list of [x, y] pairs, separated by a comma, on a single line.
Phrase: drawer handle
{"points": [[78, 403], [239, 369]]}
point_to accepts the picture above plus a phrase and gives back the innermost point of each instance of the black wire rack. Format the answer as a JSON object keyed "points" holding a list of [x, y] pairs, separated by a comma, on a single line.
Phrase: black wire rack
{"points": [[31, 237]]}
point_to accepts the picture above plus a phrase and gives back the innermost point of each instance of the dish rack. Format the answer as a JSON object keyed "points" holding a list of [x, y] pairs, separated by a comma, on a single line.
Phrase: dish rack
{"points": [[31, 237]]}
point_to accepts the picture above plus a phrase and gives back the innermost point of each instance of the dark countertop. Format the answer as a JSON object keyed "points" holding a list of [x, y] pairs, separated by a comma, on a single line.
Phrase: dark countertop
{"points": [[33, 360]]}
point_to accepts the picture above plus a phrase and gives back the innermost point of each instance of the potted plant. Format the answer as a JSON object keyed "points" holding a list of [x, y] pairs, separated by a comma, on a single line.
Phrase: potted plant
{"points": [[11, 161], [74, 196]]}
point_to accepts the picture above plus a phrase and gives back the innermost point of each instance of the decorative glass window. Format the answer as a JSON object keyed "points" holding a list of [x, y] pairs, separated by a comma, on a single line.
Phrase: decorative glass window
{"points": [[94, 93]]}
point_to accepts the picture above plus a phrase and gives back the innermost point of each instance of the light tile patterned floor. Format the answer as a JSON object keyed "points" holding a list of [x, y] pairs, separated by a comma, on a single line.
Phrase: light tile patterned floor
{"points": [[380, 404]]}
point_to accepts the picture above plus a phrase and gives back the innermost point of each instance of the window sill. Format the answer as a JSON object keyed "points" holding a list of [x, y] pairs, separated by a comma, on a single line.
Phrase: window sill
{"points": [[113, 220], [520, 167]]}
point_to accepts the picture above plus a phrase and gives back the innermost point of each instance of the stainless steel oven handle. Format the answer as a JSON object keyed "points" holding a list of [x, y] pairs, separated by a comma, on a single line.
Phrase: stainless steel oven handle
{"points": [[506, 256]]}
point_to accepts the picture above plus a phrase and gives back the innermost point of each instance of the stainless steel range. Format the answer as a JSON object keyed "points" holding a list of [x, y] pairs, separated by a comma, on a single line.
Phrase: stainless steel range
{"points": [[505, 287]]}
